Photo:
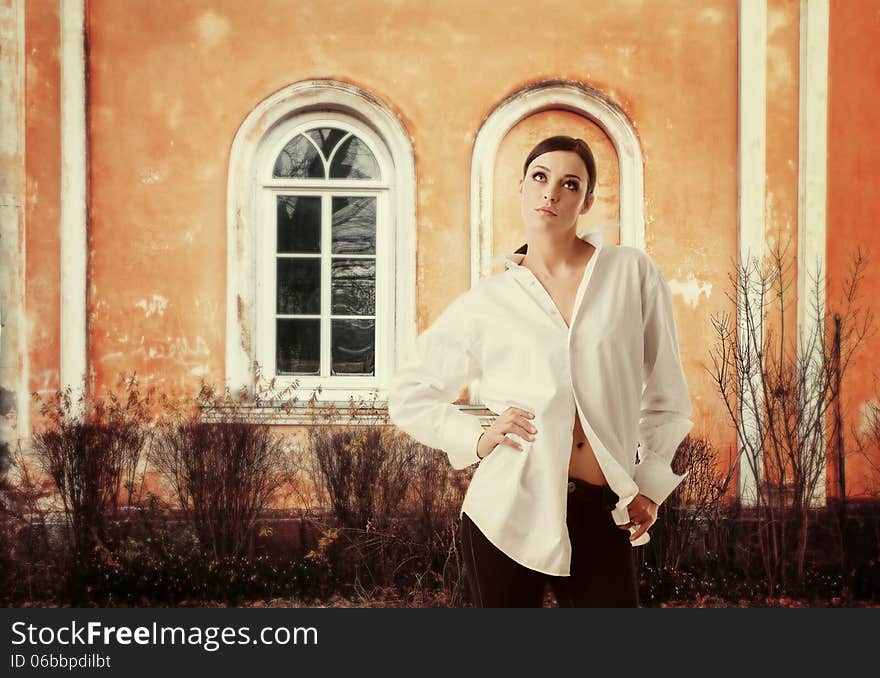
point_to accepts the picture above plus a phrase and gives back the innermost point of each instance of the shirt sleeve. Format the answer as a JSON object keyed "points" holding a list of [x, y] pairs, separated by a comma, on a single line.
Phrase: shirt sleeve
{"points": [[665, 403], [446, 359]]}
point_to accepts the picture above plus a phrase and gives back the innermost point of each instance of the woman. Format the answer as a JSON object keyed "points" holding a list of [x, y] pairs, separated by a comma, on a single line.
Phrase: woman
{"points": [[575, 348]]}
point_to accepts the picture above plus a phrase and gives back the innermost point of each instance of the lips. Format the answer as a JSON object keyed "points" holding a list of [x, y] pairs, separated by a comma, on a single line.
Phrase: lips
{"points": [[546, 210]]}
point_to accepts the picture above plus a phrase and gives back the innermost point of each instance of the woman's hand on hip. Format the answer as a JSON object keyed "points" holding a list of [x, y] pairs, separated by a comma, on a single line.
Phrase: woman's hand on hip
{"points": [[512, 420], [642, 514]]}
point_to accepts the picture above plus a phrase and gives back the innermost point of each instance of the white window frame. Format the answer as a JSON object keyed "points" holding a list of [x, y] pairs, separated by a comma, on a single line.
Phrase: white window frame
{"points": [[336, 388], [343, 103]]}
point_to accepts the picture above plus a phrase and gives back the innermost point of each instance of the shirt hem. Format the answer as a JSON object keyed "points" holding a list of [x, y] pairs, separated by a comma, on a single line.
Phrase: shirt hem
{"points": [[514, 559]]}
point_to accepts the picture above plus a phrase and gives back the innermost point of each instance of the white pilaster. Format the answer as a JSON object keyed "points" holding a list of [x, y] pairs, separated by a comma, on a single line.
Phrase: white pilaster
{"points": [[752, 174], [74, 172], [812, 189]]}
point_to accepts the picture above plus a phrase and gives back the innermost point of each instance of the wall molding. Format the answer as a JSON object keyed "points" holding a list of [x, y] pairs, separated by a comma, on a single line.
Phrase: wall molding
{"points": [[553, 95]]}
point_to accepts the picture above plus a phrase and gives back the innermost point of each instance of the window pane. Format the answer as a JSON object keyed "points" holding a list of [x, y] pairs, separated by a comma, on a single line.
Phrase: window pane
{"points": [[299, 286], [299, 159], [353, 286], [354, 225], [299, 346], [354, 346], [326, 138], [354, 160], [299, 224]]}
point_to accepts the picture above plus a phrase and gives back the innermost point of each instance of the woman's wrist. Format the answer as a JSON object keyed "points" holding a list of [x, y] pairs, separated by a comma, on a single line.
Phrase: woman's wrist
{"points": [[478, 445]]}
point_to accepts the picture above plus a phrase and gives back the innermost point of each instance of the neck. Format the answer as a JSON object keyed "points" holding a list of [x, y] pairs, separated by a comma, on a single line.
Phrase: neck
{"points": [[555, 255]]}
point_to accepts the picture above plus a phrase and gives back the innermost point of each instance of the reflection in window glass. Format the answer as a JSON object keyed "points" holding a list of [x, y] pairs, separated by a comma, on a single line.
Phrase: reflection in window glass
{"points": [[299, 224], [353, 286], [354, 160], [299, 346], [300, 160], [354, 225], [326, 138], [353, 346], [299, 286]]}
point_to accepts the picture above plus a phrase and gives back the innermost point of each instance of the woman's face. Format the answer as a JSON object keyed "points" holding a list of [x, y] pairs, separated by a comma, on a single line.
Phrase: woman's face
{"points": [[553, 191]]}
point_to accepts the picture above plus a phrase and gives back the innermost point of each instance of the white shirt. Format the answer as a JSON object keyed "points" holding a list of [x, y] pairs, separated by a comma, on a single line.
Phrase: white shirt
{"points": [[617, 367]]}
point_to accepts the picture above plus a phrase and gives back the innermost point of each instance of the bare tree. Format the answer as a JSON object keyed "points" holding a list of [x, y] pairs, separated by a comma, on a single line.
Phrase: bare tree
{"points": [[865, 439], [777, 394]]}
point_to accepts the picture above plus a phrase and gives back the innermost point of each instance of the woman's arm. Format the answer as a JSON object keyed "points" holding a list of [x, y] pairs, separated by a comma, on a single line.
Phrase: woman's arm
{"points": [[419, 400], [665, 406]]}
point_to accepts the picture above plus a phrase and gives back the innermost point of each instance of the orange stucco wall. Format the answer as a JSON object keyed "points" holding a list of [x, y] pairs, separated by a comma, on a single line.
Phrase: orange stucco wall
{"points": [[43, 189], [853, 208], [167, 91]]}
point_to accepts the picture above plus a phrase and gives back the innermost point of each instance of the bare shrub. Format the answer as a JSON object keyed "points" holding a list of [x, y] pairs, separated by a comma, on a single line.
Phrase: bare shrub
{"points": [[693, 512], [34, 557], [393, 508], [223, 472], [366, 480], [7, 521], [92, 449]]}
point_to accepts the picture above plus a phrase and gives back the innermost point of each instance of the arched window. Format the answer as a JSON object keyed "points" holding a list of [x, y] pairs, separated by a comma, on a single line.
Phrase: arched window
{"points": [[321, 219], [324, 193]]}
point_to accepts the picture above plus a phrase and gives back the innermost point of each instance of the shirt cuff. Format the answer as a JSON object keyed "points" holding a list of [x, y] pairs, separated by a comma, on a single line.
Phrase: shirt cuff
{"points": [[655, 478], [461, 442]]}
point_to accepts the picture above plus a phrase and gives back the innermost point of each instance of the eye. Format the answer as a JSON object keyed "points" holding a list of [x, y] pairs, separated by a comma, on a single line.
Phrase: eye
{"points": [[535, 175], [574, 185]]}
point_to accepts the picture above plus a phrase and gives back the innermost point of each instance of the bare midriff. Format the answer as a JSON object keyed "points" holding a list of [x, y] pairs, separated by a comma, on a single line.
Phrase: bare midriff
{"points": [[582, 463]]}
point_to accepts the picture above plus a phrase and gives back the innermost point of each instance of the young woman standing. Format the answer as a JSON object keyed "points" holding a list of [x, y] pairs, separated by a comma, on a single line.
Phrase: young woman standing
{"points": [[576, 351]]}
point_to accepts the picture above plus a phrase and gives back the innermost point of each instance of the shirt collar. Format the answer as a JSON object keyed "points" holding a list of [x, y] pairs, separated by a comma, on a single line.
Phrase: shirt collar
{"points": [[592, 235]]}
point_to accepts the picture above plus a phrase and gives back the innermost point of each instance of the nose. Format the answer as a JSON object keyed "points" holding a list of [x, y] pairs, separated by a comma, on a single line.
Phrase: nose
{"points": [[549, 195]]}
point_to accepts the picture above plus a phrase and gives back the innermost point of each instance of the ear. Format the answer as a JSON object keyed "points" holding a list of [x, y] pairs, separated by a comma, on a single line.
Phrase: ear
{"points": [[519, 184], [588, 203]]}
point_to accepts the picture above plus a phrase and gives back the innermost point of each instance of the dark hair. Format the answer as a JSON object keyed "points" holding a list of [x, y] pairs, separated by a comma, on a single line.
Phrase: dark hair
{"points": [[564, 143]]}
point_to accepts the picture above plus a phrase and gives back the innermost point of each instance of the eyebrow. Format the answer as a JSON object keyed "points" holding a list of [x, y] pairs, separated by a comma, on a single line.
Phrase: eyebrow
{"points": [[549, 170]]}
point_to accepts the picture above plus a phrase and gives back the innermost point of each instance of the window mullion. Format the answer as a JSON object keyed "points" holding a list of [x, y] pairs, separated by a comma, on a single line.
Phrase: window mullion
{"points": [[326, 299], [270, 278], [379, 312]]}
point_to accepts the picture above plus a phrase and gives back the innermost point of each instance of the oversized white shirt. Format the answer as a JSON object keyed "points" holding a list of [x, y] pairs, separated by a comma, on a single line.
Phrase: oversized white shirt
{"points": [[617, 367]]}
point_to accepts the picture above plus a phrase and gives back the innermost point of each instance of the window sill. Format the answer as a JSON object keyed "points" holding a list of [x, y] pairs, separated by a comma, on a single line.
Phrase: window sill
{"points": [[327, 413]]}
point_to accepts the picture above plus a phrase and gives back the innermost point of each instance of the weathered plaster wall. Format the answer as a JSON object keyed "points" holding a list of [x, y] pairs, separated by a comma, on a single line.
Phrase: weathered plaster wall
{"points": [[853, 207], [168, 90], [43, 204]]}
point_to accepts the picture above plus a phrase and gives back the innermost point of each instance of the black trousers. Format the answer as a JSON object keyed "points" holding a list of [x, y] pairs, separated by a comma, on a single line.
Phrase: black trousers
{"points": [[602, 573]]}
